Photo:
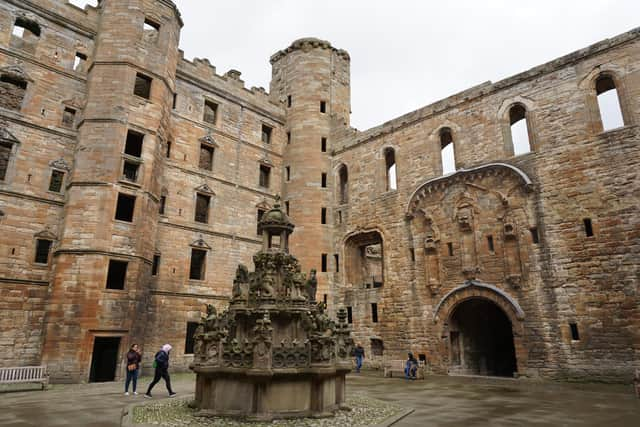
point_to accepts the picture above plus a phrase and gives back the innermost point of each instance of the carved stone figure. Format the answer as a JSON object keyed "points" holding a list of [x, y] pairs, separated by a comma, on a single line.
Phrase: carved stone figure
{"points": [[312, 285], [241, 283]]}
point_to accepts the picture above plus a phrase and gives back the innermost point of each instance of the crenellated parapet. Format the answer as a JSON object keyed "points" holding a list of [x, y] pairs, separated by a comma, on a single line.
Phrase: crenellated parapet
{"points": [[306, 44]]}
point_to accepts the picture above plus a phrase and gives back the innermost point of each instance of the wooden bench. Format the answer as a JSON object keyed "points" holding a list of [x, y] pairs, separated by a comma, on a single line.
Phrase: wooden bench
{"points": [[395, 368], [25, 374]]}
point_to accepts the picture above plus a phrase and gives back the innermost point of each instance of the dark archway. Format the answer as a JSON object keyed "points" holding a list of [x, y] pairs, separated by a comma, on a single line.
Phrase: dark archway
{"points": [[481, 340]]}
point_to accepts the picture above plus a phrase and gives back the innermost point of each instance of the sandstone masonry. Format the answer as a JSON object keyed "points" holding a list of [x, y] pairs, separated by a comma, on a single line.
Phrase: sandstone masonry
{"points": [[132, 180]]}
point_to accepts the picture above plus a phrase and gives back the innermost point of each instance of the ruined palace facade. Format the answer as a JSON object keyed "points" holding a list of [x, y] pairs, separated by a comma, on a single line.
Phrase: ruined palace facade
{"points": [[132, 181]]}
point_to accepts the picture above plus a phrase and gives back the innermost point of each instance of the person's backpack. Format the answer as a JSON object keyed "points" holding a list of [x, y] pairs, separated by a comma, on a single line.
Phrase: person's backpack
{"points": [[155, 360]]}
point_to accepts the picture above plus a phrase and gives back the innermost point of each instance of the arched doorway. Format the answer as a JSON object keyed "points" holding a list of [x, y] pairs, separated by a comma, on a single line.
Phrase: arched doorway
{"points": [[481, 339]]}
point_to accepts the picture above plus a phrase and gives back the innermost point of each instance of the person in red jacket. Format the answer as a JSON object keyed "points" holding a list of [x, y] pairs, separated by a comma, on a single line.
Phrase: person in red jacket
{"points": [[133, 368]]}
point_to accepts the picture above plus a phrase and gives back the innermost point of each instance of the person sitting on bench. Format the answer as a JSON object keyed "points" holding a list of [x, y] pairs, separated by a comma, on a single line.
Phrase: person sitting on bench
{"points": [[411, 368]]}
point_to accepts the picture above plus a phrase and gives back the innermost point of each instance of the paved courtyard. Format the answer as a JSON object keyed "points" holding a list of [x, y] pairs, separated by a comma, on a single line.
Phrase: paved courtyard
{"points": [[438, 401]]}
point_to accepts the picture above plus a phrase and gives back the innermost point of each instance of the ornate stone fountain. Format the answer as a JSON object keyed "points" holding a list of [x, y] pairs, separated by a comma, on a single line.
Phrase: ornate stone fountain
{"points": [[274, 353]]}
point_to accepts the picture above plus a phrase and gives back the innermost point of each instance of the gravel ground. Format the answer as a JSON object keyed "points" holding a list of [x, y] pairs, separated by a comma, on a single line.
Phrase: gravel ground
{"points": [[365, 411]]}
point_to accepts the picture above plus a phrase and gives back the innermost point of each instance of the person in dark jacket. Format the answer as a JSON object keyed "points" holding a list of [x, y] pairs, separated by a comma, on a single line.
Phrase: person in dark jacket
{"points": [[161, 363], [411, 368], [133, 368], [358, 352]]}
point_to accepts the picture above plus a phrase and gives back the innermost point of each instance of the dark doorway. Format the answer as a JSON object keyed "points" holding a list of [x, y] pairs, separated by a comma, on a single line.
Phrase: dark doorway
{"points": [[105, 359], [481, 340]]}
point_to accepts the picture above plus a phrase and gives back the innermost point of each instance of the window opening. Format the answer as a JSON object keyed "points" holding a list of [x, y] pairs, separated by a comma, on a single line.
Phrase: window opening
{"points": [[390, 164], [288, 137], [588, 227], [289, 101], [80, 62], [374, 312], [608, 103], [266, 134], [323, 106], [168, 153], [133, 144], [12, 91], [490, 243], [68, 117], [189, 341], [206, 157], [287, 173], [519, 130], [26, 28], [5, 156], [142, 87], [197, 267], [55, 183], [265, 172], [163, 204], [344, 184], [324, 263], [210, 112], [447, 152], [323, 144], [202, 208], [117, 274], [130, 170], [125, 207], [151, 30], [336, 260], [42, 251], [258, 219], [323, 216], [535, 238], [450, 248], [349, 315], [575, 335], [286, 207], [155, 265], [323, 180]]}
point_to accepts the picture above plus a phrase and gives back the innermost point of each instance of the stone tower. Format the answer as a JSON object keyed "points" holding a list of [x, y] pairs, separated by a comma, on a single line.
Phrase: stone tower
{"points": [[109, 227], [312, 78]]}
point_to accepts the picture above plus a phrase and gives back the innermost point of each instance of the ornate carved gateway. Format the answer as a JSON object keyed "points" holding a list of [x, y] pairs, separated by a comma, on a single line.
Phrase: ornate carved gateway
{"points": [[472, 227]]}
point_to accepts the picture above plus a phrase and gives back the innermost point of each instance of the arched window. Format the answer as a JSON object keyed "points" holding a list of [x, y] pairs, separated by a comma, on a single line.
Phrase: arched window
{"points": [[447, 154], [519, 130], [608, 103], [390, 169], [343, 180]]}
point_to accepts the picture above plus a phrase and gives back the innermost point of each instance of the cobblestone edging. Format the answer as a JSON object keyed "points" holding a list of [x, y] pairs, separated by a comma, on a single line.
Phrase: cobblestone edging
{"points": [[365, 411]]}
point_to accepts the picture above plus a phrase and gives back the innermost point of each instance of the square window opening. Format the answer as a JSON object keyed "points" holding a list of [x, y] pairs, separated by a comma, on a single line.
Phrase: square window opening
{"points": [[265, 173], [130, 171], [197, 267], [117, 274], [323, 106], [55, 183], [142, 87], [79, 61], [42, 251], [575, 334], [202, 208], [133, 144], [68, 117], [210, 112], [206, 157], [125, 207]]}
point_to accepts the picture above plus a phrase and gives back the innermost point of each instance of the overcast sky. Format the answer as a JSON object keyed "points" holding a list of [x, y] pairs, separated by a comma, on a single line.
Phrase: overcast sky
{"points": [[404, 54]]}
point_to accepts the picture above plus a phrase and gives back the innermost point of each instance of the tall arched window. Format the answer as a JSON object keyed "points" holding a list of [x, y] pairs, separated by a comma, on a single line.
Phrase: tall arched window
{"points": [[343, 180], [519, 128], [390, 169], [447, 154], [608, 103]]}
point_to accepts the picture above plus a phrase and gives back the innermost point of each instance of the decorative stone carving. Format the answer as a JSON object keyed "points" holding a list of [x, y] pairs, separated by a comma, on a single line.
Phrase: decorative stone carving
{"points": [[205, 189], [60, 164], [237, 350]]}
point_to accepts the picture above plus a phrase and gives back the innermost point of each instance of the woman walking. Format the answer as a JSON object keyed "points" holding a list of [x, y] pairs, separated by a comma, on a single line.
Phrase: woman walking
{"points": [[161, 363], [133, 368]]}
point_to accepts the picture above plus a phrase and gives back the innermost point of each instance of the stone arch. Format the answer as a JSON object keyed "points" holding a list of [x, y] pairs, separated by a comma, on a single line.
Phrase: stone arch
{"points": [[434, 184], [389, 155], [476, 290], [588, 85], [527, 106], [341, 180], [354, 247]]}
